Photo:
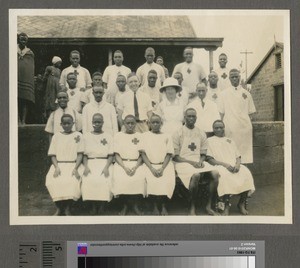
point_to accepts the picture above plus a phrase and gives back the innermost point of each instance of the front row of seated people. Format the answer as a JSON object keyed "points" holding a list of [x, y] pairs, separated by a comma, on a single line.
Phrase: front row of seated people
{"points": [[133, 165]]}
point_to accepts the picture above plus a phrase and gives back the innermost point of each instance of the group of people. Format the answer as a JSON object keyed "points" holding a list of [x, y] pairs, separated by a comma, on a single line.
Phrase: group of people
{"points": [[129, 135]]}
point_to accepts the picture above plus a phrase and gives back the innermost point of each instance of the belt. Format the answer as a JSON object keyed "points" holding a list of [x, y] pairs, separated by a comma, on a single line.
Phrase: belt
{"points": [[66, 161], [157, 163], [129, 159], [97, 157]]}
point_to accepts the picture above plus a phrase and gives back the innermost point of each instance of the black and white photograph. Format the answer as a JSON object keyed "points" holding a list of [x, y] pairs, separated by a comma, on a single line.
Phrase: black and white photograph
{"points": [[149, 116]]}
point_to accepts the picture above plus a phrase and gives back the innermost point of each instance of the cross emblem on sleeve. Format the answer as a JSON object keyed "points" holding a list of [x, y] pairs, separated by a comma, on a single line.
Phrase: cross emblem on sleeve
{"points": [[192, 146], [215, 96], [76, 73], [244, 96], [224, 75], [77, 139], [135, 141], [104, 141]]}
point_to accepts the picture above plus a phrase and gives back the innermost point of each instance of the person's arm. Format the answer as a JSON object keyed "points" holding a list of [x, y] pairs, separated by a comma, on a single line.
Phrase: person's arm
{"points": [[55, 164], [166, 162], [105, 85], [180, 159], [237, 166], [114, 120], [119, 117], [78, 162], [215, 162], [50, 135], [146, 160], [121, 164], [86, 167], [138, 163], [105, 170]]}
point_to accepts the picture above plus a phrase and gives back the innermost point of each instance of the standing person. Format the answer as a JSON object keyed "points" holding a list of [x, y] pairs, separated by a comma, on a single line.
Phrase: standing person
{"points": [[192, 72], [122, 89], [160, 173], [135, 103], [97, 161], [160, 61], [25, 78], [234, 177], [54, 121], [63, 179], [74, 93], [143, 70], [184, 94], [98, 105], [213, 90], [207, 110], [190, 147], [51, 79], [170, 109], [96, 82], [223, 72], [129, 172], [236, 106], [84, 80], [111, 73], [151, 88]]}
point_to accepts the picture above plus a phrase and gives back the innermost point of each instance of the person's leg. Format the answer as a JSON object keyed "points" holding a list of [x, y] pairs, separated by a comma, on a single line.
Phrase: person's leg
{"points": [[24, 109], [154, 200], [164, 200], [123, 199], [212, 190], [226, 200], [242, 204], [100, 205], [194, 187], [68, 204], [59, 208], [135, 204]]}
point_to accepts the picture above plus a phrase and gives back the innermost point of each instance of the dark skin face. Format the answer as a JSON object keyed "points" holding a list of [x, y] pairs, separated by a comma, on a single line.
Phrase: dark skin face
{"points": [[67, 124], [57, 64], [72, 80], [234, 78], [97, 80], [75, 59], [201, 91], [98, 93], [155, 124], [152, 79], [213, 79], [23, 39], [160, 61], [118, 58], [179, 78], [223, 61], [188, 55], [129, 124], [97, 123], [149, 56], [121, 83], [219, 129], [190, 118], [62, 99]]}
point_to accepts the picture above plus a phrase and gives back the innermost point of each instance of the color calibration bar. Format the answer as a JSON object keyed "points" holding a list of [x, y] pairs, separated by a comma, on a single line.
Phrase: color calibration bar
{"points": [[165, 254]]}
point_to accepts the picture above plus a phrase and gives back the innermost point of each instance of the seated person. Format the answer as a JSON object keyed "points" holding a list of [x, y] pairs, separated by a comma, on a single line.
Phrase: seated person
{"points": [[234, 177], [190, 146]]}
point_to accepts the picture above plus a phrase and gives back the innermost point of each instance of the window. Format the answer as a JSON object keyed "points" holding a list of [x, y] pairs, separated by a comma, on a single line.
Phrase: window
{"points": [[279, 103], [278, 61]]}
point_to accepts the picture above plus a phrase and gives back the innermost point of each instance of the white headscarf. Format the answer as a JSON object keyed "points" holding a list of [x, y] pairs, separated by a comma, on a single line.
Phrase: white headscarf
{"points": [[56, 59]]}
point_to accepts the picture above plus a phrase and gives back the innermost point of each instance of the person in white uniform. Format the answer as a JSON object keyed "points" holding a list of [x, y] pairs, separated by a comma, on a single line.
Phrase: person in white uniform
{"points": [[98, 105], [84, 80], [223, 72], [129, 172], [143, 70], [96, 82], [170, 109], [213, 90], [63, 178], [184, 94], [207, 110], [190, 147], [192, 72], [111, 73], [97, 160], [54, 121], [74, 93], [234, 177], [236, 106], [157, 150]]}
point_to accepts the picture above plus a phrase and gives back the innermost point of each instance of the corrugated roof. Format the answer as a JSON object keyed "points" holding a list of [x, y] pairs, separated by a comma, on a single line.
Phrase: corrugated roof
{"points": [[276, 44], [106, 26]]}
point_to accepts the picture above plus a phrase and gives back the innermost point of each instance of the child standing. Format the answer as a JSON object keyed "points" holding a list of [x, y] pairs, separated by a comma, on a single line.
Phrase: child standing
{"points": [[74, 93], [97, 160], [129, 173], [157, 151], [51, 79], [63, 179]]}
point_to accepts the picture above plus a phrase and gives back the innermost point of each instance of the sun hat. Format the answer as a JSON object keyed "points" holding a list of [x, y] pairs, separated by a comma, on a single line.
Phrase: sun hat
{"points": [[170, 82]]}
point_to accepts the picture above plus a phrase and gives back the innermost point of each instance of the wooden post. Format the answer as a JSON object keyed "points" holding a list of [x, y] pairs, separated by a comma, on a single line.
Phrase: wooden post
{"points": [[211, 60], [110, 57]]}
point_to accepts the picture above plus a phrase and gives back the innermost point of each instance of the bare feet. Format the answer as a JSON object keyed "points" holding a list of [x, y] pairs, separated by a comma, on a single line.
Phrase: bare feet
{"points": [[100, 209], [243, 209], [164, 211], [155, 210], [123, 211], [192, 211], [210, 212], [57, 213], [93, 210], [136, 210], [68, 211], [226, 211]]}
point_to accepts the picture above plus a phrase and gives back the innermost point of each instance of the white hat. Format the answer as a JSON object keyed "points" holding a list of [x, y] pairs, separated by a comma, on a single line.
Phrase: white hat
{"points": [[56, 59], [170, 82]]}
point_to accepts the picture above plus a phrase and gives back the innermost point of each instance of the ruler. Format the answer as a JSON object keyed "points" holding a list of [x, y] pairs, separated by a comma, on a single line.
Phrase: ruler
{"points": [[42, 254]]}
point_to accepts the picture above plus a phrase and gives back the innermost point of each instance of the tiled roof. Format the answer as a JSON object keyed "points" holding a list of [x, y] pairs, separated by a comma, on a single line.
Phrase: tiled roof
{"points": [[106, 26]]}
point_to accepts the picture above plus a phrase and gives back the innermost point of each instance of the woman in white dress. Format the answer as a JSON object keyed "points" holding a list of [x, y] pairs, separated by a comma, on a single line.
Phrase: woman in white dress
{"points": [[63, 179], [234, 177], [97, 160], [171, 108], [129, 173], [157, 151]]}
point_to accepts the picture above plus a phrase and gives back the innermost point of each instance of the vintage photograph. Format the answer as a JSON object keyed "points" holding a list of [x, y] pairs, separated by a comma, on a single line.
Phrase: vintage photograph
{"points": [[150, 116]]}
